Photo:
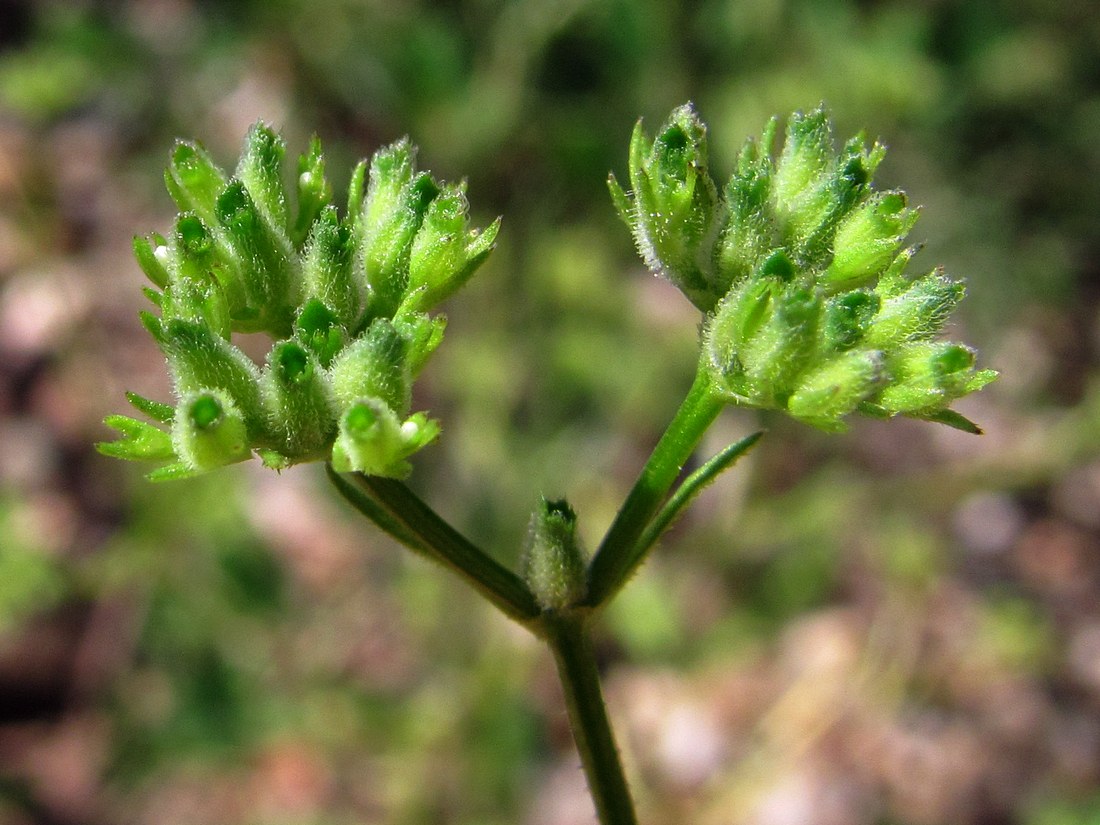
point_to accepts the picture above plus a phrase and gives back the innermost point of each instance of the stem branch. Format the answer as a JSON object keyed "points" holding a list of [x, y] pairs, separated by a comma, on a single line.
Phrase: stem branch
{"points": [[620, 553], [397, 510]]}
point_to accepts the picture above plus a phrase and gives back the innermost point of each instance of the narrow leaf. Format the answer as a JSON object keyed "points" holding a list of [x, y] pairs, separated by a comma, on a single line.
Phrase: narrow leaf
{"points": [[690, 488]]}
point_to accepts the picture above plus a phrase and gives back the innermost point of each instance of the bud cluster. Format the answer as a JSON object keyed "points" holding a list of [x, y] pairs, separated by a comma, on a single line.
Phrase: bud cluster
{"points": [[344, 298], [800, 267]]}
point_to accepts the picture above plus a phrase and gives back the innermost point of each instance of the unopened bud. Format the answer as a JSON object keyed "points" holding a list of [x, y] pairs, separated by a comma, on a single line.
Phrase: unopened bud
{"points": [[209, 431], [553, 562]]}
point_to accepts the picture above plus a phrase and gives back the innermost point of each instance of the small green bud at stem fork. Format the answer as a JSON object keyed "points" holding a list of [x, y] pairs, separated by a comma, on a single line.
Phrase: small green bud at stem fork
{"points": [[796, 264]]}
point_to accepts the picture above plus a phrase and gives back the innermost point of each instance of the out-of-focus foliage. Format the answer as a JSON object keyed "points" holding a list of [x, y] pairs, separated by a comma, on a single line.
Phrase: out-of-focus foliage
{"points": [[897, 625]]}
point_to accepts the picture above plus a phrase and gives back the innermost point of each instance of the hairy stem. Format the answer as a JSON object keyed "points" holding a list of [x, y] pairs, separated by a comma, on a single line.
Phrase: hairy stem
{"points": [[580, 679]]}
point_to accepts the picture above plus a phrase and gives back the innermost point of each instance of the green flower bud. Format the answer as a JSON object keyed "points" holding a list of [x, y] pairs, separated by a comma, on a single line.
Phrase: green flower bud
{"points": [[926, 377], [374, 366], [194, 181], [298, 401], [784, 346], [867, 241], [916, 314], [373, 440], [445, 252], [737, 321], [835, 388], [396, 202], [747, 238], [553, 562], [804, 175], [327, 272], [269, 276], [209, 431], [202, 361], [261, 171], [674, 210], [314, 191]]}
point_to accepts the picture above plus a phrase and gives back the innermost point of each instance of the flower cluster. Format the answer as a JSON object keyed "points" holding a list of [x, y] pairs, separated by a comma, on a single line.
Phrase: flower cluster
{"points": [[800, 267], [346, 300]]}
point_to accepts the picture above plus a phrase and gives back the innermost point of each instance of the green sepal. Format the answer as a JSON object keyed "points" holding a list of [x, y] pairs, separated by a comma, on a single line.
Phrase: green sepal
{"points": [[356, 197], [747, 237], [926, 377], [175, 471], [621, 201], [154, 297], [373, 440], [374, 366], [327, 271], [396, 202], [554, 565], [273, 459], [314, 191], [297, 400], [386, 226], [140, 440], [847, 319], [209, 430], [154, 409], [739, 317], [200, 300], [784, 346], [194, 181], [152, 256]]}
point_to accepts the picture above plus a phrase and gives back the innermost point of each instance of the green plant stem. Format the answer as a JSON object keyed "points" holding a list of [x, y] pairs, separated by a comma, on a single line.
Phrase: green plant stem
{"points": [[569, 640], [398, 511], [620, 553]]}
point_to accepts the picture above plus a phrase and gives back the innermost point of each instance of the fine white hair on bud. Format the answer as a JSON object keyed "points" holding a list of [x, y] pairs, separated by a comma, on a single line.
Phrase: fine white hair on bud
{"points": [[799, 265], [346, 300]]}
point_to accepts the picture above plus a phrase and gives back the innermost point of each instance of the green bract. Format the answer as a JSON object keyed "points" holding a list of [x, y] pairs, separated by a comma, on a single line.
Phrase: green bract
{"points": [[800, 267], [344, 298]]}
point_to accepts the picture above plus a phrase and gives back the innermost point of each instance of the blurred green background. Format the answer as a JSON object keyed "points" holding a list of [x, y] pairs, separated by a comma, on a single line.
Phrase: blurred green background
{"points": [[895, 626]]}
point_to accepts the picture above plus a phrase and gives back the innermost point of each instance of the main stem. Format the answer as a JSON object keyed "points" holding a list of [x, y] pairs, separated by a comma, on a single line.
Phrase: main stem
{"points": [[620, 553], [571, 644]]}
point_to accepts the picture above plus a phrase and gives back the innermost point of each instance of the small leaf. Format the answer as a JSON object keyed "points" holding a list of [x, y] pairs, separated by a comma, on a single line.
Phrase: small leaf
{"points": [[954, 420]]}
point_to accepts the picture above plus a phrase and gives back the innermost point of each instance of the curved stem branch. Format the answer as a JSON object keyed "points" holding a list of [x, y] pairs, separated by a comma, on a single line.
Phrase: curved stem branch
{"points": [[619, 554], [397, 510]]}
